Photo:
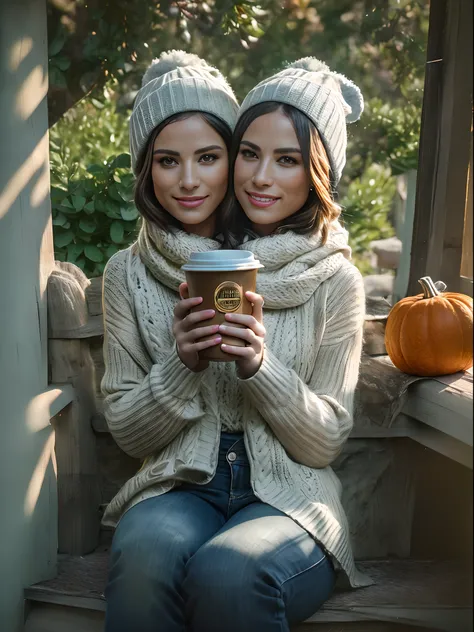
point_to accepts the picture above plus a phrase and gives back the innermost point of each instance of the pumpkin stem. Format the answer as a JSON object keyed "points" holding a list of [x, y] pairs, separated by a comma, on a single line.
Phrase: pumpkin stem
{"points": [[429, 288]]}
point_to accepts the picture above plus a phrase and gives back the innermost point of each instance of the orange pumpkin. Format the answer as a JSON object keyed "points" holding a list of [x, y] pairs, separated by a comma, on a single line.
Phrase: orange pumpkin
{"points": [[431, 333]]}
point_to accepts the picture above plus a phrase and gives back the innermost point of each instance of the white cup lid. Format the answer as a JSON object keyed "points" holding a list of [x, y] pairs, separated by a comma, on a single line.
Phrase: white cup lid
{"points": [[222, 261]]}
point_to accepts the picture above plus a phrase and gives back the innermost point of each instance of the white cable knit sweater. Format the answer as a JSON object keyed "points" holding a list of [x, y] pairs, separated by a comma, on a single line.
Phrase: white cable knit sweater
{"points": [[296, 411]]}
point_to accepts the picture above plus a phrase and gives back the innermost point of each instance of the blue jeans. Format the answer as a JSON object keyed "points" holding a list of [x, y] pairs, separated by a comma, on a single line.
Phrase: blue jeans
{"points": [[213, 558]]}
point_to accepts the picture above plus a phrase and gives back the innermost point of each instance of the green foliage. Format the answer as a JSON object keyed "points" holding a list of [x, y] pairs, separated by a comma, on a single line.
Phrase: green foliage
{"points": [[388, 134], [92, 42], [92, 198], [90, 132], [379, 44], [93, 215], [366, 206]]}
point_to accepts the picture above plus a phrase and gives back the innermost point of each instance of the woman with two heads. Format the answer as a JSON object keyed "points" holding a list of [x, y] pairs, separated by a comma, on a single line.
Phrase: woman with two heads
{"points": [[234, 520]]}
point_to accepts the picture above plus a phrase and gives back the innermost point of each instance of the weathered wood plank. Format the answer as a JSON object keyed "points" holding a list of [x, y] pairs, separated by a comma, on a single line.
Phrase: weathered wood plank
{"points": [[94, 326], [52, 617], [115, 467], [444, 403], [378, 495], [435, 618], [444, 146], [94, 296], [28, 485], [442, 529], [47, 404], [467, 254], [356, 626], [411, 591], [78, 490], [442, 443], [71, 363], [67, 309], [48, 617]]}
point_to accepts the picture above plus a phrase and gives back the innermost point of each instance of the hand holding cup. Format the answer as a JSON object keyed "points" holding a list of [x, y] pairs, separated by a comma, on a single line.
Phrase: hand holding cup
{"points": [[223, 279], [189, 333], [249, 358]]}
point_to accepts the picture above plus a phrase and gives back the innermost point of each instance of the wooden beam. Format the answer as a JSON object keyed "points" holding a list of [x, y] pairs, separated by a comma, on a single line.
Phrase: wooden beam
{"points": [[56, 618], [444, 147], [444, 404], [429, 142], [48, 404], [443, 444], [466, 262], [90, 329], [71, 363], [431, 594]]}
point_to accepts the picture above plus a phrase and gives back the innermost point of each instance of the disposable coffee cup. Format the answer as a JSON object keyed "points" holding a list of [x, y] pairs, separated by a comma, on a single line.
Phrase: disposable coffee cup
{"points": [[222, 277]]}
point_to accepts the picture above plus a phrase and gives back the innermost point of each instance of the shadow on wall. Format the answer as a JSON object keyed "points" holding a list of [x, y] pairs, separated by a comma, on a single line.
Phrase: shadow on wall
{"points": [[27, 476]]}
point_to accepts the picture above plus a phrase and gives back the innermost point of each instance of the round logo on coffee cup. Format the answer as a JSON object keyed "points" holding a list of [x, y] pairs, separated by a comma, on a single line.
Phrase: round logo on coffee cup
{"points": [[228, 297]]}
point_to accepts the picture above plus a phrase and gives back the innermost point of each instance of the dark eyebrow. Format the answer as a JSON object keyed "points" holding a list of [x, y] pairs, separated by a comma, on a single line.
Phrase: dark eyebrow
{"points": [[251, 145], [168, 152], [203, 150], [208, 148], [281, 150], [287, 150]]}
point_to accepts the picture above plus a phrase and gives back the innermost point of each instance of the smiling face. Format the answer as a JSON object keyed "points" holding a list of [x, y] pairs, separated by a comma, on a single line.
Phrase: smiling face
{"points": [[190, 173], [270, 179]]}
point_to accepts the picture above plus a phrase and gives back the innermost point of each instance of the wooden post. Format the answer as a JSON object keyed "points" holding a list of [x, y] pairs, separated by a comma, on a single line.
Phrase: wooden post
{"points": [[27, 482], [444, 148], [70, 362]]}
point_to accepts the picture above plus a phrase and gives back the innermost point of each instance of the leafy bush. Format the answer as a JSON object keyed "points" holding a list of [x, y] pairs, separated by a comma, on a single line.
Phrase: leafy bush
{"points": [[366, 208], [392, 133], [92, 198], [94, 216]]}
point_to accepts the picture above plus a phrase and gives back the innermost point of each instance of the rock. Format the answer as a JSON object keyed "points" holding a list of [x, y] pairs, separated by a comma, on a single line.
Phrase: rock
{"points": [[387, 252], [377, 309], [379, 285]]}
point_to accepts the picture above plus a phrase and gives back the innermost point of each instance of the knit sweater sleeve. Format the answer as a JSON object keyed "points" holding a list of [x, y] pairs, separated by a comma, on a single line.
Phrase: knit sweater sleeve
{"points": [[313, 420], [146, 404]]}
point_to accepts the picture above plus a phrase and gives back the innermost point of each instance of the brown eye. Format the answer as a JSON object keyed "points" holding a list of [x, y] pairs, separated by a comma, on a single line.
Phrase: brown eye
{"points": [[167, 161], [287, 160], [247, 153], [208, 158]]}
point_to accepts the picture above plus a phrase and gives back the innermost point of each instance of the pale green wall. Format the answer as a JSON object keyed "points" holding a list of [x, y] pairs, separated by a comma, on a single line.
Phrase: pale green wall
{"points": [[28, 513]]}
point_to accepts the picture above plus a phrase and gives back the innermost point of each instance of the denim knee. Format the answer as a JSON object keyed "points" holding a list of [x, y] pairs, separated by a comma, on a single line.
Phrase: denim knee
{"points": [[224, 586], [244, 585], [147, 558]]}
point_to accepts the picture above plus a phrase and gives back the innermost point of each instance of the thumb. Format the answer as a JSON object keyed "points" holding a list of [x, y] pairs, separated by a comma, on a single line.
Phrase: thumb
{"points": [[183, 290]]}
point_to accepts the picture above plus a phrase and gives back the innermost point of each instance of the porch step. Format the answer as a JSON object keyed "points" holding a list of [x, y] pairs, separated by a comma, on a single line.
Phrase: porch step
{"points": [[433, 595], [45, 617]]}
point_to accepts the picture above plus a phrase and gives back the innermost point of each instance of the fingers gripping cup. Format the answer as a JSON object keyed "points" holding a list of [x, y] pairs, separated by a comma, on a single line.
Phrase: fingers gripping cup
{"points": [[222, 277]]}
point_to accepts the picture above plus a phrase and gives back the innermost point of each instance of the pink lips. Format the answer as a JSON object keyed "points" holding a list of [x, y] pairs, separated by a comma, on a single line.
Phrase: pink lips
{"points": [[261, 201], [191, 202]]}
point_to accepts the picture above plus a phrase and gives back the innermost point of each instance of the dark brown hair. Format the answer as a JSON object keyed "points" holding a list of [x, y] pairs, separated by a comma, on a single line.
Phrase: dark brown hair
{"points": [[145, 198], [320, 208]]}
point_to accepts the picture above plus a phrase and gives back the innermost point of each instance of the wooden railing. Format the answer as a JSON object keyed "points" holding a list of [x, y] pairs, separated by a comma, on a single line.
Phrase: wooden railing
{"points": [[70, 363]]}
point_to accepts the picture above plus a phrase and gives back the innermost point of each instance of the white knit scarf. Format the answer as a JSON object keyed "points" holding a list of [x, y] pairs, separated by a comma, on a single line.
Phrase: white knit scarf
{"points": [[163, 253], [295, 265]]}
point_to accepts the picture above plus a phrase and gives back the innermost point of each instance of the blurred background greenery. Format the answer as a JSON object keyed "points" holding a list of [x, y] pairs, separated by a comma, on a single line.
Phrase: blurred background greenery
{"points": [[98, 51]]}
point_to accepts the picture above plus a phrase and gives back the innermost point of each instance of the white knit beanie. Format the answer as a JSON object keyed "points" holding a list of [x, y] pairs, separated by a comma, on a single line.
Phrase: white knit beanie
{"points": [[178, 82], [327, 98]]}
